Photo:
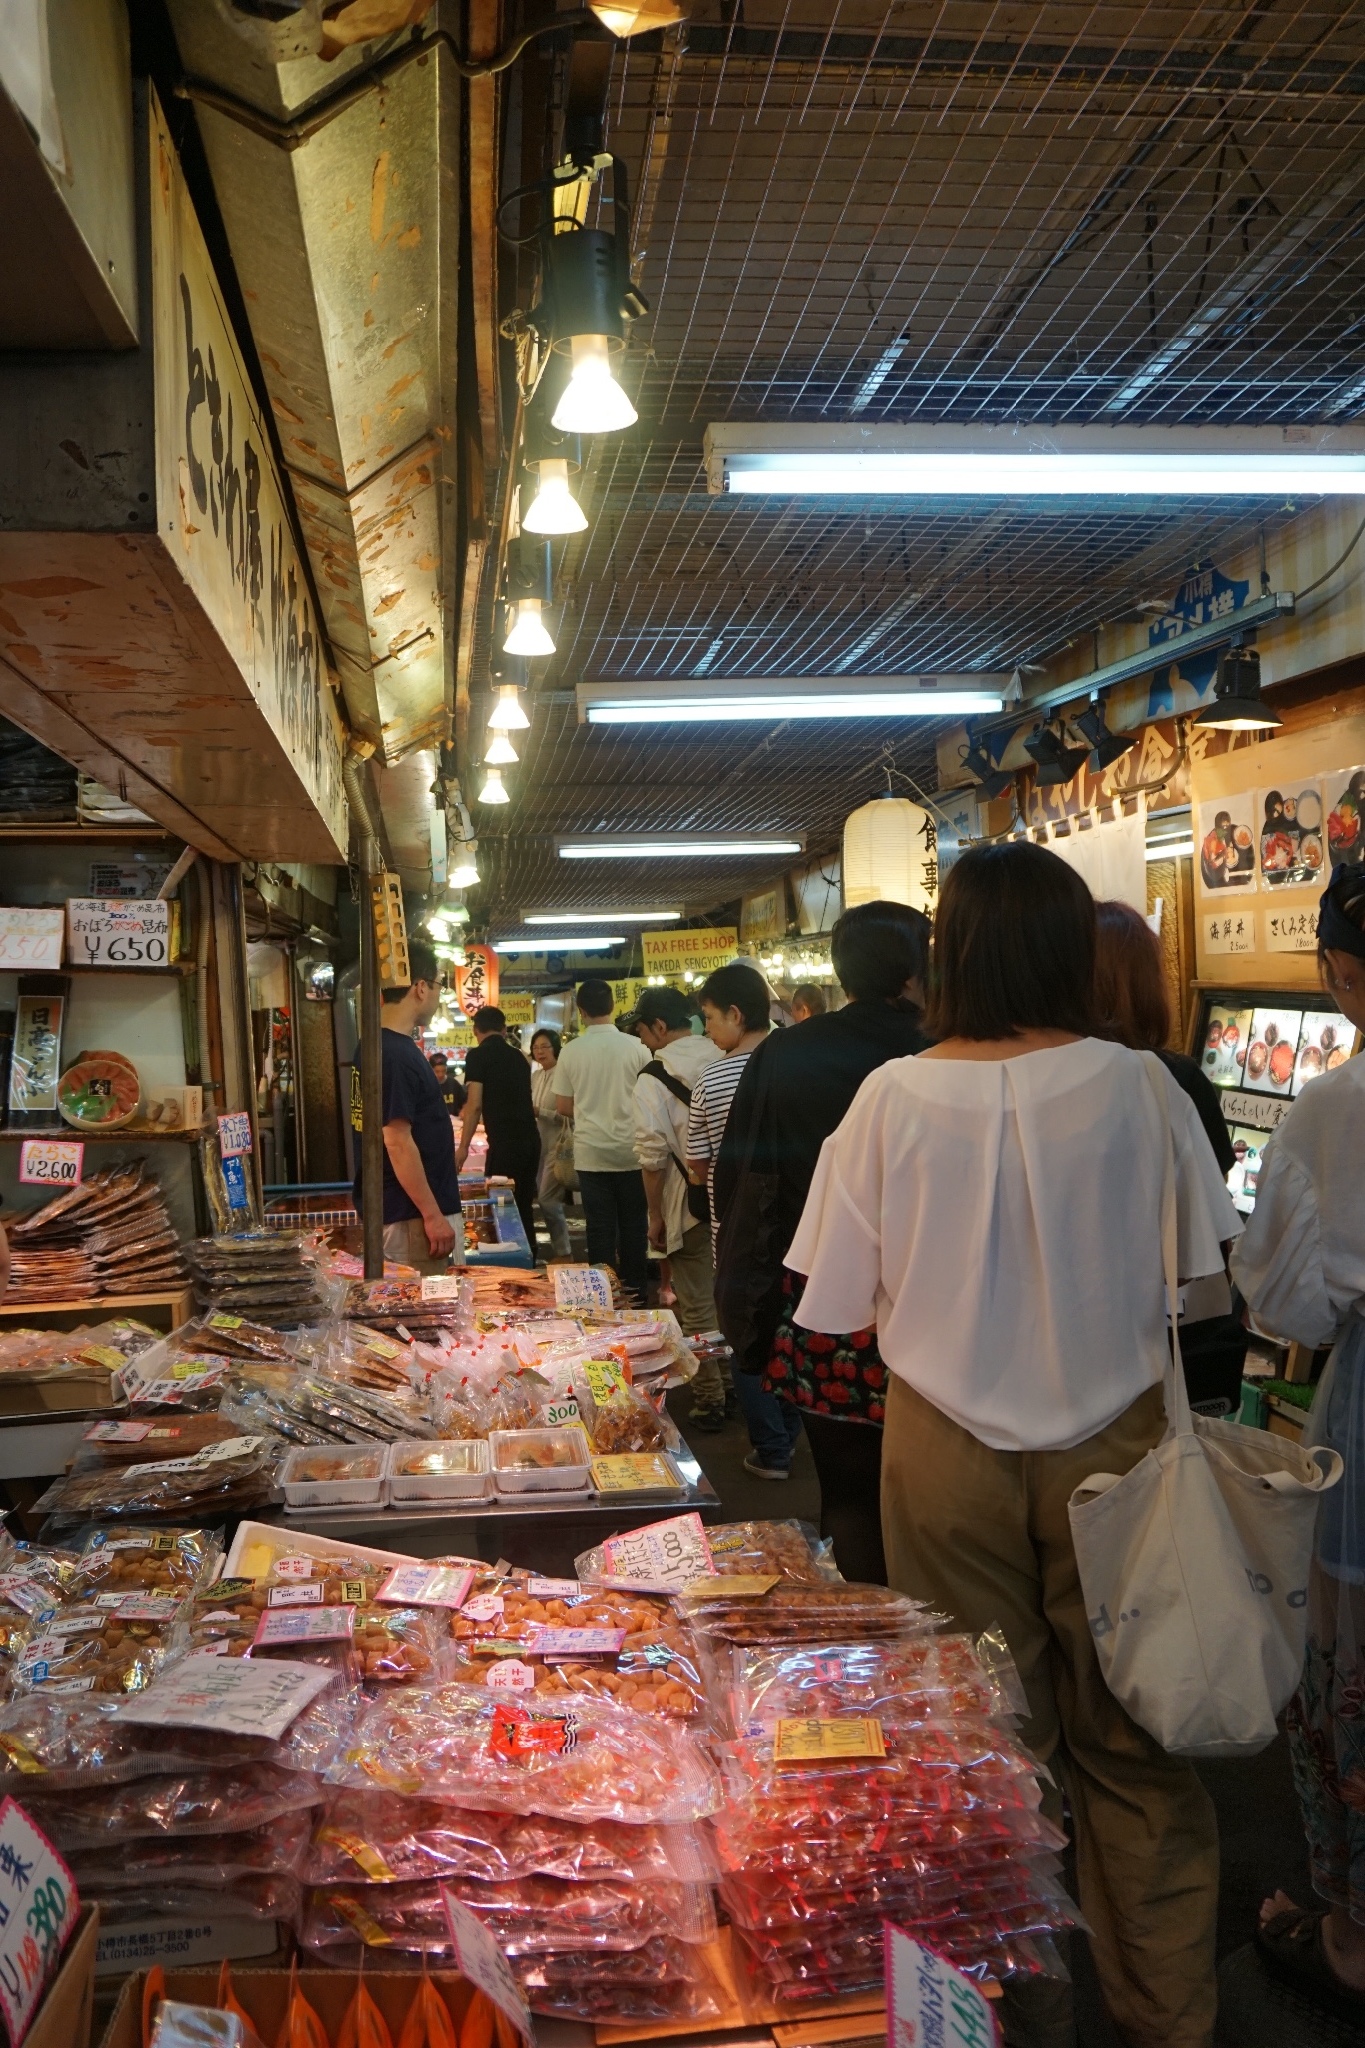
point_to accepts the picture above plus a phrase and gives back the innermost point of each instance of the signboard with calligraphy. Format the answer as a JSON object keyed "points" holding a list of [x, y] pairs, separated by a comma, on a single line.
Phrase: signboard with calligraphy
{"points": [[30, 938], [476, 983]]}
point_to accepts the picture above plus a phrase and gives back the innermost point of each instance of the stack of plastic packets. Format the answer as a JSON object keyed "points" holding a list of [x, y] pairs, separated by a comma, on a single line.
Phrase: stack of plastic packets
{"points": [[568, 1826], [873, 1780]]}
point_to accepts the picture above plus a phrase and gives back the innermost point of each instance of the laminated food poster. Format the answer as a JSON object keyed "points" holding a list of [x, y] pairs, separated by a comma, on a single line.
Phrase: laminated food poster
{"points": [[1290, 846], [1326, 1042], [1344, 803], [1273, 1051], [1226, 1038], [1227, 842]]}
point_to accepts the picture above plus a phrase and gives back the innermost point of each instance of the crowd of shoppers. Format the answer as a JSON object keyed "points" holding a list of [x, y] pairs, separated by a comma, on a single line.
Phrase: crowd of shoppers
{"points": [[498, 1084], [595, 1085]]}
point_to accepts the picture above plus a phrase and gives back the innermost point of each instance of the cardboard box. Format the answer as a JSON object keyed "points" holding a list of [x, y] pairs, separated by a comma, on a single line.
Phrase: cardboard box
{"points": [[180, 1942], [264, 1994], [63, 2018]]}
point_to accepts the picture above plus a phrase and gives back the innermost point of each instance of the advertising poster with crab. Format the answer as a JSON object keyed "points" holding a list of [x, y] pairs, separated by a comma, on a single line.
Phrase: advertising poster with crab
{"points": [[1226, 848]]}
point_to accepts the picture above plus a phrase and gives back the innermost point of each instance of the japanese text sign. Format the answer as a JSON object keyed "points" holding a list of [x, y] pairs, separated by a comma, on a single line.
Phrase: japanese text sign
{"points": [[30, 939], [483, 1964], [104, 932], [38, 1909], [234, 1133], [51, 1162], [929, 2004]]}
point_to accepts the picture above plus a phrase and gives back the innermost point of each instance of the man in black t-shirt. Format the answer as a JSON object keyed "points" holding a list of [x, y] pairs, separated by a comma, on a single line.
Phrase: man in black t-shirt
{"points": [[498, 1078], [422, 1223], [452, 1094]]}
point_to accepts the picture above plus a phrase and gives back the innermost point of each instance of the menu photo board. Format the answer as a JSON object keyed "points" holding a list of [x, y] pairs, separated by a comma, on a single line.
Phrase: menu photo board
{"points": [[1261, 1050]]}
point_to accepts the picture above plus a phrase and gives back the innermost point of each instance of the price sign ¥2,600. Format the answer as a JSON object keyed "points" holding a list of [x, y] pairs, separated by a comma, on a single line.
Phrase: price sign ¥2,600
{"points": [[38, 1909], [52, 1162]]}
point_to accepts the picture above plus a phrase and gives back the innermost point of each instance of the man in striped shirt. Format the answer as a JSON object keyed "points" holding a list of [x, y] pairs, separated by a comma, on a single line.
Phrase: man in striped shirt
{"points": [[734, 1003]]}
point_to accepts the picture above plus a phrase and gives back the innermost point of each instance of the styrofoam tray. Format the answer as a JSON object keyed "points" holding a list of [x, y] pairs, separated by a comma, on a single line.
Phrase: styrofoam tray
{"points": [[354, 1489], [257, 1545], [567, 1478], [473, 1485]]}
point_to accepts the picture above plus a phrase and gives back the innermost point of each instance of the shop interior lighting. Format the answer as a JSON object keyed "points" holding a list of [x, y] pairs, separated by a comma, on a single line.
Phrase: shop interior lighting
{"points": [[554, 508], [1237, 703], [671, 846], [626, 20], [493, 791], [593, 401], [507, 714], [692, 702], [1169, 849], [527, 633], [568, 942], [1057, 762], [1103, 462], [1106, 747], [991, 781], [463, 872], [581, 917], [500, 753]]}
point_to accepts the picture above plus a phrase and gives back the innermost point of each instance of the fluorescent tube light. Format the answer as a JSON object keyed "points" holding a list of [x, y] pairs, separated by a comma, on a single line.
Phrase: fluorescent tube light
{"points": [[668, 846], [1169, 849], [694, 701], [568, 942], [1029, 461], [600, 916]]}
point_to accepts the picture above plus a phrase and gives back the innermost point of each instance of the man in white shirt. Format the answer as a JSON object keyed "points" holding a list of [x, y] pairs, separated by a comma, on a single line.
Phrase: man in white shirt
{"points": [[594, 1084], [679, 1223]]}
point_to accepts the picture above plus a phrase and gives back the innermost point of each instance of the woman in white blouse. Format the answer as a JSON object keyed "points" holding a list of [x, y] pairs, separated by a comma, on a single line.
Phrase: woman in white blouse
{"points": [[1301, 1266], [994, 1207]]}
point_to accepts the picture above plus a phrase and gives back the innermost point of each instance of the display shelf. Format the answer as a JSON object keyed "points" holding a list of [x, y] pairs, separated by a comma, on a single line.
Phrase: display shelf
{"points": [[72, 834], [175, 1304], [143, 1133], [178, 970]]}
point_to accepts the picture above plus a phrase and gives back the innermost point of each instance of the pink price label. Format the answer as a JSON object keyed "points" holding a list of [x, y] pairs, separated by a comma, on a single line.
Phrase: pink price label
{"points": [[420, 1585], [304, 1625], [576, 1642]]}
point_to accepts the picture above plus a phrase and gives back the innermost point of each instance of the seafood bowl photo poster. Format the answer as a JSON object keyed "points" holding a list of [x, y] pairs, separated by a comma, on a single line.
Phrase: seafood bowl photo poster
{"points": [[1227, 843]]}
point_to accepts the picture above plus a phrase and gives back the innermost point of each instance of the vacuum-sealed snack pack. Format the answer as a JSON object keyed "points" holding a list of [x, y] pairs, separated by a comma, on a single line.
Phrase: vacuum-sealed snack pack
{"points": [[132, 1560], [186, 1803], [526, 1916], [202, 1861], [114, 1648]]}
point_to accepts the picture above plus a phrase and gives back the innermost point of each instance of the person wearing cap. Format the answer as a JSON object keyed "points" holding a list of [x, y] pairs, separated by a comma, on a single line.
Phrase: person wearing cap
{"points": [[679, 1209], [1300, 1264]]}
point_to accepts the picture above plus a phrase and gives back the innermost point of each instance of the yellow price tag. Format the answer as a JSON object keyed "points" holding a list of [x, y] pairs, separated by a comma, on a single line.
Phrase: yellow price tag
{"points": [[104, 1354], [635, 1472], [817, 1741], [361, 1852], [605, 1378], [731, 1586], [222, 1321], [22, 1757], [188, 1369]]}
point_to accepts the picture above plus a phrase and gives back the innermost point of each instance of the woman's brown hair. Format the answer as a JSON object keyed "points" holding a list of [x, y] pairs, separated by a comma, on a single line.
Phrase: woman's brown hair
{"points": [[1131, 1004], [1014, 946]]}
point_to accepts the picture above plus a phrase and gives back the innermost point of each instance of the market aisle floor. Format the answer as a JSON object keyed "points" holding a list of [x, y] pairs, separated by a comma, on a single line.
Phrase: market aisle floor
{"points": [[1258, 1815]]}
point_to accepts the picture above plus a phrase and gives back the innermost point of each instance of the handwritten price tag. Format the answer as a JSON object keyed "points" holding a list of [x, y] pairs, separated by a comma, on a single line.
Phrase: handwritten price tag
{"points": [[236, 1696], [108, 933], [234, 1134], [38, 1909], [304, 1625], [51, 1162], [816, 1741], [661, 1557], [31, 938], [483, 1964], [582, 1287], [928, 2000], [422, 1585]]}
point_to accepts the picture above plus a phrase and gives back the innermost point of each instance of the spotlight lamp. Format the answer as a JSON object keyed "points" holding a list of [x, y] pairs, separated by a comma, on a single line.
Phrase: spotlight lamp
{"points": [[1057, 762], [508, 714], [1237, 702], [493, 791], [463, 872], [530, 587], [992, 781], [1106, 747], [554, 508], [527, 634], [625, 20], [500, 753]]}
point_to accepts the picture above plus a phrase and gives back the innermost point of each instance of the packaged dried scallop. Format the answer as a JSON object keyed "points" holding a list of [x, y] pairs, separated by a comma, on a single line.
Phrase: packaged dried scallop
{"points": [[113, 1648], [130, 1560], [230, 1801]]}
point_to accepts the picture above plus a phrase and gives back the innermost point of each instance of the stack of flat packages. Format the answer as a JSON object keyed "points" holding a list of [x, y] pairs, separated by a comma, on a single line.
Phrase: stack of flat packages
{"points": [[110, 1236], [262, 1275]]}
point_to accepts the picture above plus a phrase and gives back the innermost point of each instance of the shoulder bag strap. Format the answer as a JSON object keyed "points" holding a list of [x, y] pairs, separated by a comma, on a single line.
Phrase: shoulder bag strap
{"points": [[1177, 1398], [659, 1072]]}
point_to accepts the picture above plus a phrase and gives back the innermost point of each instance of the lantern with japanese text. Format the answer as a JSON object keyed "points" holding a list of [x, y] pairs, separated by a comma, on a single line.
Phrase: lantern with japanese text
{"points": [[476, 983], [891, 855]]}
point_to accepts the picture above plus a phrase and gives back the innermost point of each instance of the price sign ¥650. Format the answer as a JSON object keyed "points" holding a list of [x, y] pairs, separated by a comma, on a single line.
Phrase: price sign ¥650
{"points": [[52, 1162], [105, 933]]}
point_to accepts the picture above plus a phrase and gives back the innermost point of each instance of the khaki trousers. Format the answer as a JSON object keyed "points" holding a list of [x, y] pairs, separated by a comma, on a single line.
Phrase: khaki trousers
{"points": [[406, 1243], [984, 1534]]}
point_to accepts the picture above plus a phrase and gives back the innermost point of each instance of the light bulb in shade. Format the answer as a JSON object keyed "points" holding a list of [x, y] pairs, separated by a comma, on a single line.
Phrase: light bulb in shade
{"points": [[528, 634], [500, 753], [507, 714], [493, 791], [463, 872], [554, 508], [593, 402]]}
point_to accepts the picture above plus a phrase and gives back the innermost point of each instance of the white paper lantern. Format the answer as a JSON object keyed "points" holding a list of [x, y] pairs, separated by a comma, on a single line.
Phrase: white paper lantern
{"points": [[891, 855]]}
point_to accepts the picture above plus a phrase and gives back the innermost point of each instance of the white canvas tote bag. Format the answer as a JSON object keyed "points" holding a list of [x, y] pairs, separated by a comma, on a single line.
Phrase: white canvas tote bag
{"points": [[1194, 1565]]}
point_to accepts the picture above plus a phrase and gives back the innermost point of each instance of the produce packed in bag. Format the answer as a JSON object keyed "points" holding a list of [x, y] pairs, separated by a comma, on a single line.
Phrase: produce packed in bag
{"points": [[226, 1477], [526, 1916], [602, 1643], [115, 1648]]}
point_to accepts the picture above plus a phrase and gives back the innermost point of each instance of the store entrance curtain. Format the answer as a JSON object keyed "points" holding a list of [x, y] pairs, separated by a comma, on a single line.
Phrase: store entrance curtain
{"points": [[1110, 856]]}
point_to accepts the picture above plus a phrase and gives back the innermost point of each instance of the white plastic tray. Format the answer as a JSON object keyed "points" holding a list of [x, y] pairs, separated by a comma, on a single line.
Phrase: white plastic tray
{"points": [[475, 1485], [558, 1479], [360, 1490], [256, 1546]]}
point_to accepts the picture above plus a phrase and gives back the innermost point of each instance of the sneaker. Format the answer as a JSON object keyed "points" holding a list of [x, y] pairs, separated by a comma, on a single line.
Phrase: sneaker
{"points": [[753, 1463], [710, 1419]]}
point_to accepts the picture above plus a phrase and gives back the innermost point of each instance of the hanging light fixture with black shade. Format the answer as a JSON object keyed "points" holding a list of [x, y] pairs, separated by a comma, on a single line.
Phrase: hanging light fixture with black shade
{"points": [[1237, 702], [1057, 761], [991, 781], [1105, 747], [529, 588], [550, 459]]}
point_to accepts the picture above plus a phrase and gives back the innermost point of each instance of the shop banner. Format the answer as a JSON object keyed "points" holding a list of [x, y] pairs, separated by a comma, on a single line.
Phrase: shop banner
{"points": [[519, 1009], [476, 983], [39, 1906], [689, 952]]}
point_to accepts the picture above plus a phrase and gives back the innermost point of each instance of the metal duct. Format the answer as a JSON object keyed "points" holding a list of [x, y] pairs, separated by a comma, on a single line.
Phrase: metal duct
{"points": [[344, 229]]}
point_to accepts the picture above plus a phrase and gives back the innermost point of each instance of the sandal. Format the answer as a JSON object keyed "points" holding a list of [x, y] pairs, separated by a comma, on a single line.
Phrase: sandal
{"points": [[1291, 1946]]}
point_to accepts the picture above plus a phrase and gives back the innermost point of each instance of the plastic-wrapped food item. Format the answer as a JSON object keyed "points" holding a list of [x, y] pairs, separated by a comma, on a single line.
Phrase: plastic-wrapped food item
{"points": [[260, 1896], [178, 2025], [526, 1916], [235, 1474], [128, 1560], [58, 1741], [458, 1407], [653, 1668], [100, 1649], [387, 1838], [106, 1444], [205, 1861], [794, 1552], [440, 1471], [516, 1401], [332, 1478], [540, 1460], [34, 1583], [588, 1761], [627, 1422], [234, 1336], [903, 1681], [807, 1614], [230, 1801], [662, 1981], [960, 1766], [399, 1645]]}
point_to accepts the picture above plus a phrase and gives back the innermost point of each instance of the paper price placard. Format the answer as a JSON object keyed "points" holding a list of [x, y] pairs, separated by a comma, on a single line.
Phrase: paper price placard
{"points": [[575, 1642], [604, 1377], [38, 1909], [808, 1741], [635, 1472], [31, 939], [105, 932], [927, 2000], [425, 1585], [304, 1625], [483, 1964], [237, 1696], [234, 1136], [52, 1162], [582, 1287], [440, 1287], [662, 1555]]}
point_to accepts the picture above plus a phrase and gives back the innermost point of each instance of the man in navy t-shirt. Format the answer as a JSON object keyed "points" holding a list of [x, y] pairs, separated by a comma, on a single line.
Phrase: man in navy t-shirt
{"points": [[422, 1223]]}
